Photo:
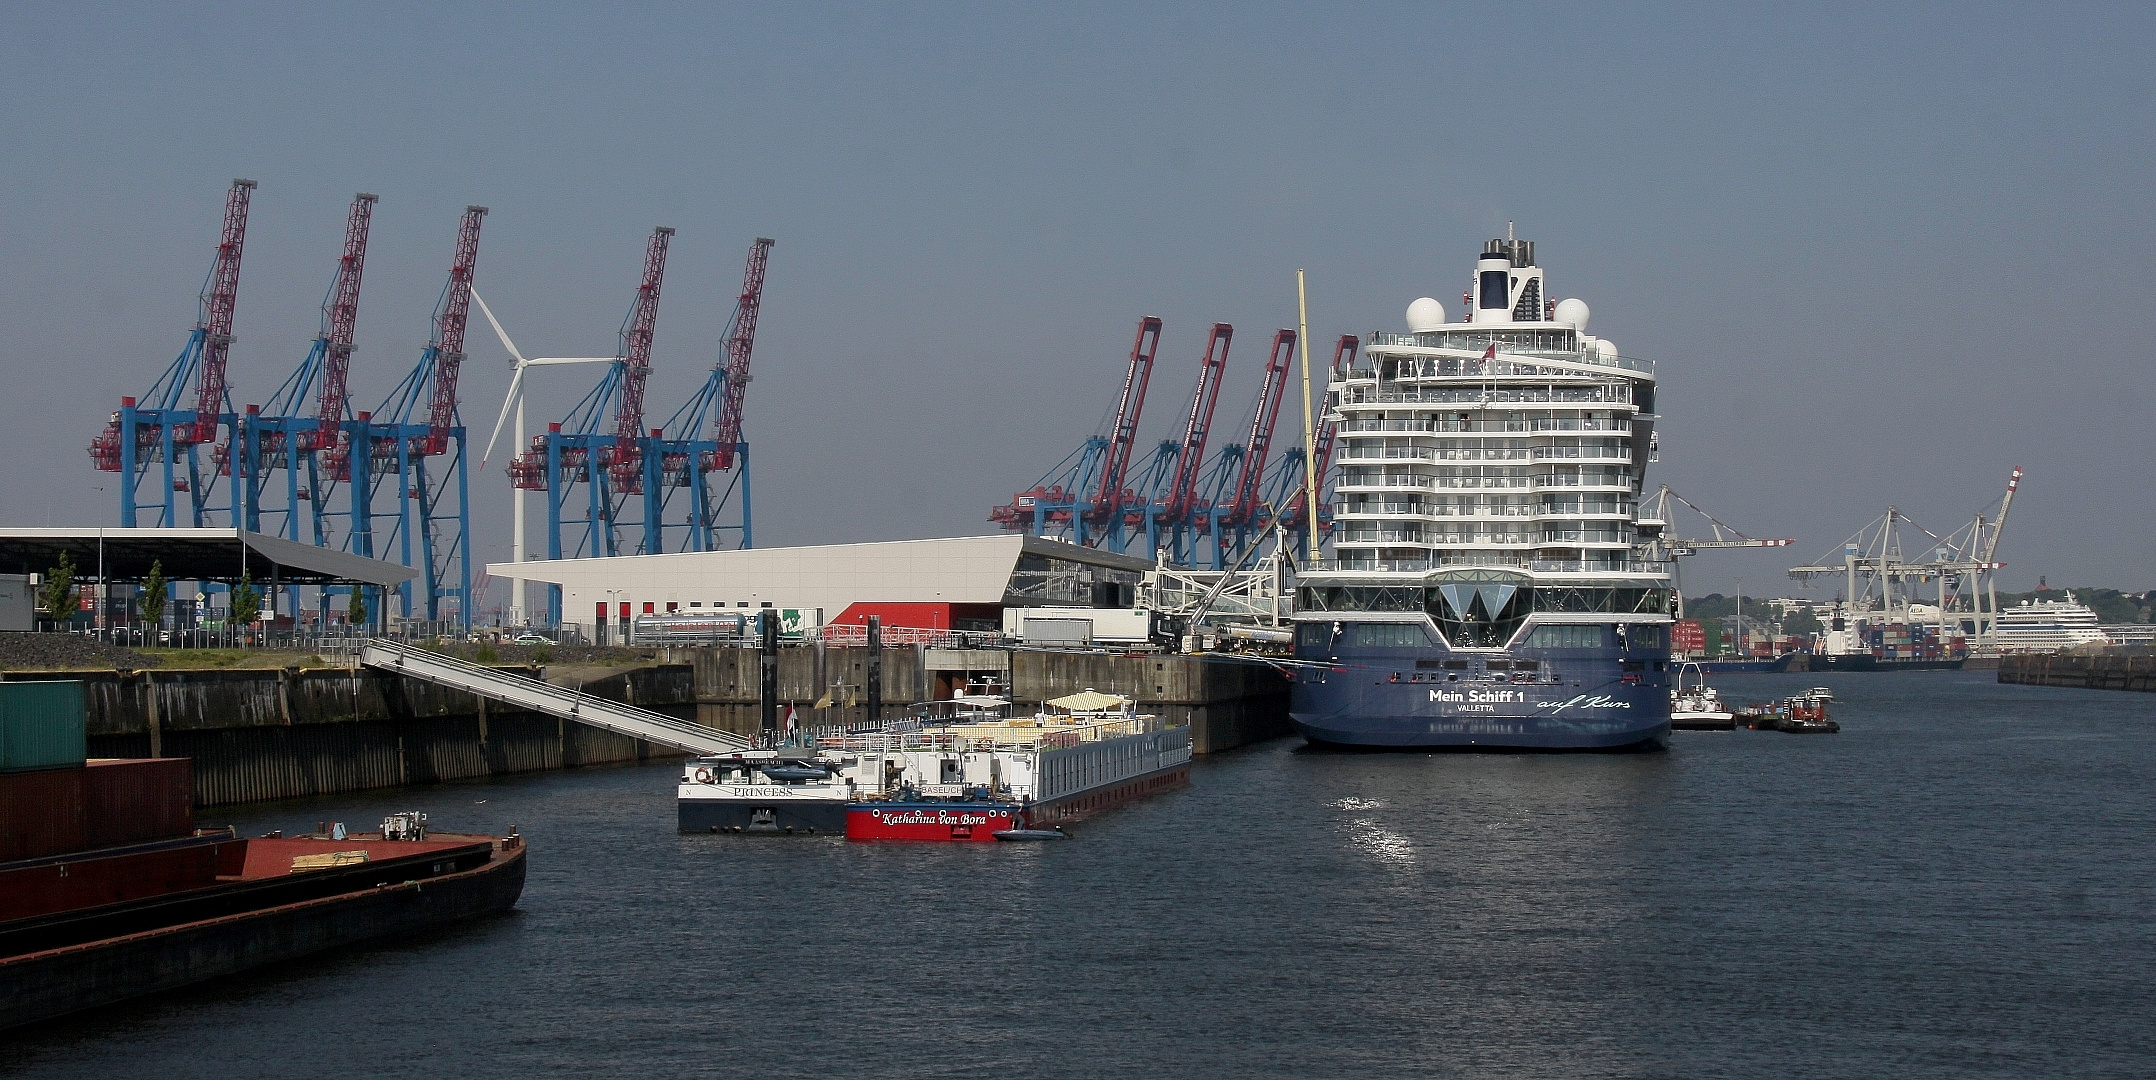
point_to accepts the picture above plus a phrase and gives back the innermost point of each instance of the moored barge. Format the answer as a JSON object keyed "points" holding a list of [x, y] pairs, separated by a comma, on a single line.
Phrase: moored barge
{"points": [[974, 773]]}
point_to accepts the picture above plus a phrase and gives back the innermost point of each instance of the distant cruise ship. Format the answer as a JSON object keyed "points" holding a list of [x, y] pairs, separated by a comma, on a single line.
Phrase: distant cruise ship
{"points": [[2048, 626], [1484, 590]]}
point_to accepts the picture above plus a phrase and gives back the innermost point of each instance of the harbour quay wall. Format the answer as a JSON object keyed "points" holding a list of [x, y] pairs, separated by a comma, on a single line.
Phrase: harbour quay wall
{"points": [[256, 734], [2102, 671], [1227, 703]]}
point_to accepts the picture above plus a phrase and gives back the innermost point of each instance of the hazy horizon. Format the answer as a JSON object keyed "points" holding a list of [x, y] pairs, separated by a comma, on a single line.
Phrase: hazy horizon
{"points": [[1880, 255]]}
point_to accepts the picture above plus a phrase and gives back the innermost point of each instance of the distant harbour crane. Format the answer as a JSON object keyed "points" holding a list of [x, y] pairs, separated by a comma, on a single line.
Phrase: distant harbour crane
{"points": [[161, 436]]}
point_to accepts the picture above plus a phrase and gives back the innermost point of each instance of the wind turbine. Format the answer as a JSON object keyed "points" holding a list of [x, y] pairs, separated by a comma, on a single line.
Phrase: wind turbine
{"points": [[516, 398]]}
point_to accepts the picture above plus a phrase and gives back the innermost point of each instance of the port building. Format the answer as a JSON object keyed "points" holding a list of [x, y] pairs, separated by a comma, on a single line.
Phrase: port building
{"points": [[953, 583]]}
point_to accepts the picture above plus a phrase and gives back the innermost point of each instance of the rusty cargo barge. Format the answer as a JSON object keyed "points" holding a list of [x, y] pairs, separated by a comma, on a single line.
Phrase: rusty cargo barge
{"points": [[109, 891]]}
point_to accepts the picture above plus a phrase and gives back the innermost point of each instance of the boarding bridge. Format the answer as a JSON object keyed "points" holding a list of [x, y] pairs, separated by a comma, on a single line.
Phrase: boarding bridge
{"points": [[540, 697]]}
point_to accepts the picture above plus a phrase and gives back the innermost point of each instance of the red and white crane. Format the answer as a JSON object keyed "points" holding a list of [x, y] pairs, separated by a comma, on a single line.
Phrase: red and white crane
{"points": [[1179, 509]]}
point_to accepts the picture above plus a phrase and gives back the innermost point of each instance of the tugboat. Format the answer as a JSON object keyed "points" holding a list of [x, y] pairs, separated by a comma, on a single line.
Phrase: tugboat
{"points": [[1798, 714], [966, 770], [1698, 707]]}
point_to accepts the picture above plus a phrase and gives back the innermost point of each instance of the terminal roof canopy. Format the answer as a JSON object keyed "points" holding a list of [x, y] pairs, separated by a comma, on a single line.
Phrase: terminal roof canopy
{"points": [[191, 555]]}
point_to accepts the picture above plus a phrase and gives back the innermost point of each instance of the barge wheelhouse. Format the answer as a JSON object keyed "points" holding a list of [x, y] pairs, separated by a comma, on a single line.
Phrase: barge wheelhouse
{"points": [[1487, 588]]}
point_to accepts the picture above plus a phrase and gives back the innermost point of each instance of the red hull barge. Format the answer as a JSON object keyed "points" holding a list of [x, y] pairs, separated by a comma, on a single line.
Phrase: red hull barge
{"points": [[931, 820]]}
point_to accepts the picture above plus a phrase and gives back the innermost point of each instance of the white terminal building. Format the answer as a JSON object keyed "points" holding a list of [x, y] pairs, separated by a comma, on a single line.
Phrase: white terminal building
{"points": [[958, 583]]}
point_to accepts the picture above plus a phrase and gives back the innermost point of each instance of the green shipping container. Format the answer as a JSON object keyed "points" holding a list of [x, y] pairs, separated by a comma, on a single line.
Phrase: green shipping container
{"points": [[42, 725]]}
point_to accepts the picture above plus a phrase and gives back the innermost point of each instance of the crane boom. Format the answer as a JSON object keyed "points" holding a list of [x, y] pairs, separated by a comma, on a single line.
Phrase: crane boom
{"points": [[1109, 502], [1190, 455], [1344, 352], [448, 343], [636, 334], [2013, 483], [1244, 506], [340, 318], [220, 296], [740, 343]]}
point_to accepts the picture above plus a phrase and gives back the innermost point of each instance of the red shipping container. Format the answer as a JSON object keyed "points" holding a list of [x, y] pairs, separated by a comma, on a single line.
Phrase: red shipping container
{"points": [[40, 813], [129, 800], [44, 888]]}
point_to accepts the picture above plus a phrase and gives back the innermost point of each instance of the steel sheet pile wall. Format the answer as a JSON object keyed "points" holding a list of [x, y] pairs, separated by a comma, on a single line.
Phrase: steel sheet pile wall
{"points": [[2111, 671], [1226, 703], [256, 735]]}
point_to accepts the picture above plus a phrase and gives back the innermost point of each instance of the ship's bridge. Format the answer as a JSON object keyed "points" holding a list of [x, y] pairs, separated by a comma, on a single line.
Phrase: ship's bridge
{"points": [[1482, 607]]}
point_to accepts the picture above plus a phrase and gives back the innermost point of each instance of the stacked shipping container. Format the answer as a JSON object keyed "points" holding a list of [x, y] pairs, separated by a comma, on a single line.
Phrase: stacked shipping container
{"points": [[53, 801]]}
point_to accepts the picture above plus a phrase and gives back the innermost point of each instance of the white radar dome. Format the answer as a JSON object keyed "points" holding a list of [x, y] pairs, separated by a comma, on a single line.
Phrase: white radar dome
{"points": [[1573, 313], [1425, 315], [1605, 349]]}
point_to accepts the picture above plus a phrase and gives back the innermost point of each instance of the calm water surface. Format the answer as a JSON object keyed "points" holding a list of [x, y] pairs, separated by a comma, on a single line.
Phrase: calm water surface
{"points": [[1959, 884]]}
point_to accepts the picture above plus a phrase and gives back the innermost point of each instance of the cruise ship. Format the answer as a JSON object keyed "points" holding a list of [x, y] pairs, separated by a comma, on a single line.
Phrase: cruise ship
{"points": [[2048, 626], [1484, 590]]}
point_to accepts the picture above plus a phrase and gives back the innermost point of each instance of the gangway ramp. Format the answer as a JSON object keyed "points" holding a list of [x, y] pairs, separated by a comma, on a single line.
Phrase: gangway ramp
{"points": [[541, 697]]}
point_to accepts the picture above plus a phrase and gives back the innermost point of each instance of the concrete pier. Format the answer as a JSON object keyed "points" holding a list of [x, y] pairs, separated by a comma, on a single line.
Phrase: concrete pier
{"points": [[256, 735]]}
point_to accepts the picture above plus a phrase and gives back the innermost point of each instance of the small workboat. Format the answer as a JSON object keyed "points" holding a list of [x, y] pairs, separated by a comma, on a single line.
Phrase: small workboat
{"points": [[1697, 707], [1031, 834]]}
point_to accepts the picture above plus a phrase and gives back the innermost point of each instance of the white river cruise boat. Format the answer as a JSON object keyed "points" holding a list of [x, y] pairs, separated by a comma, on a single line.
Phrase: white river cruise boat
{"points": [[1486, 589]]}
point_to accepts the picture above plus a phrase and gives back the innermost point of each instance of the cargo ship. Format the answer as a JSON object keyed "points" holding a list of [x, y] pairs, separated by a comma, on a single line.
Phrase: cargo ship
{"points": [[109, 891], [1486, 590], [965, 770]]}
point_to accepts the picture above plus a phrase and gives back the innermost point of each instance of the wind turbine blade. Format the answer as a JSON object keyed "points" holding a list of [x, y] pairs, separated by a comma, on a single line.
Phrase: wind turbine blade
{"points": [[498, 331], [516, 386], [553, 361]]}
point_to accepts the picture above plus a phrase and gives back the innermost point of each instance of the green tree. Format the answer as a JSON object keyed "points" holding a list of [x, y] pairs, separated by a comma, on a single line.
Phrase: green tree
{"points": [[1801, 623], [58, 593], [245, 604], [355, 613], [153, 594]]}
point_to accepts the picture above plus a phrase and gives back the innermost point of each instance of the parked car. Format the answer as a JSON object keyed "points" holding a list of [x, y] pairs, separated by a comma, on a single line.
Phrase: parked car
{"points": [[531, 639]]}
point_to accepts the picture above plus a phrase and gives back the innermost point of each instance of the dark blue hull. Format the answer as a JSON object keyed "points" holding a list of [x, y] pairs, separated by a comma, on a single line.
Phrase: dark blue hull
{"points": [[1385, 699]]}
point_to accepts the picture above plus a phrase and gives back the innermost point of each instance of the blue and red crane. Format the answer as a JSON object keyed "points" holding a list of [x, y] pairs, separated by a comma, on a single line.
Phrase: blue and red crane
{"points": [[687, 456], [164, 431], [578, 452], [1243, 514], [312, 450], [1183, 510], [1178, 498], [1286, 491], [431, 527], [1057, 502]]}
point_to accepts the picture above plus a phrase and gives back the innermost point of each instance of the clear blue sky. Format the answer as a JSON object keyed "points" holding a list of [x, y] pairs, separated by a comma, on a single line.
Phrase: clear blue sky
{"points": [[1882, 254]]}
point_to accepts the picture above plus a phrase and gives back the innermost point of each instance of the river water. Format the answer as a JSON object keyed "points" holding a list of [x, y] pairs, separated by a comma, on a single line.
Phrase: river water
{"points": [[1958, 884]]}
